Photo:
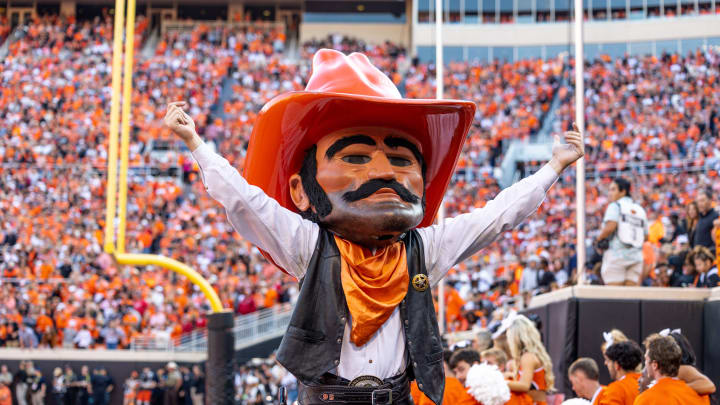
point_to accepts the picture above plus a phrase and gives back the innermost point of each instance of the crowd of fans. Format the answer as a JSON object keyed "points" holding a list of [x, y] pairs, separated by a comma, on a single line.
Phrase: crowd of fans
{"points": [[28, 386], [646, 116], [511, 346], [56, 281]]}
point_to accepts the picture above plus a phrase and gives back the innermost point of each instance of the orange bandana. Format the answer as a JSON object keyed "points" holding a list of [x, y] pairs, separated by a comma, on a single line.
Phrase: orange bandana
{"points": [[374, 285]]}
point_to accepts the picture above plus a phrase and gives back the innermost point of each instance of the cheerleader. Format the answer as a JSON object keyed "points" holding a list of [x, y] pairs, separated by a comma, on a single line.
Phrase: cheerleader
{"points": [[534, 374]]}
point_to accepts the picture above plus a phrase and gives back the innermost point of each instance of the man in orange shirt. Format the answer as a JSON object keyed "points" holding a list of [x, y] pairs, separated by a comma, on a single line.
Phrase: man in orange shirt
{"points": [[662, 362], [455, 393], [584, 376], [5, 394], [622, 360]]}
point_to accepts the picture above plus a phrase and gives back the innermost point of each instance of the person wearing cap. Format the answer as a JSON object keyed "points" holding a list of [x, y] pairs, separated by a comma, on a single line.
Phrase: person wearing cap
{"points": [[173, 382], [340, 189], [624, 229]]}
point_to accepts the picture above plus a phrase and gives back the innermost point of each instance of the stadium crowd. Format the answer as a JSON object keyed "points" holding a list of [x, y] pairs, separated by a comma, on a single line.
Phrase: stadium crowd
{"points": [[506, 362], [59, 289]]}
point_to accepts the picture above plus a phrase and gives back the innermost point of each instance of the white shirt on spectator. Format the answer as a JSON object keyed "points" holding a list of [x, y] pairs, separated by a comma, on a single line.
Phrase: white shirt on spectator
{"points": [[529, 280], [290, 240], [83, 339]]}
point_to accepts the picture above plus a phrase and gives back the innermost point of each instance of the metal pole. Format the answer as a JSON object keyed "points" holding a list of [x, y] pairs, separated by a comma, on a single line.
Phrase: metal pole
{"points": [[111, 186], [125, 124], [221, 359], [439, 95], [580, 121]]}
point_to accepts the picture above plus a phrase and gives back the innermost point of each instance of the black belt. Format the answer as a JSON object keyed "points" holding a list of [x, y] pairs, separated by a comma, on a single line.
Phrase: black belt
{"points": [[332, 389]]}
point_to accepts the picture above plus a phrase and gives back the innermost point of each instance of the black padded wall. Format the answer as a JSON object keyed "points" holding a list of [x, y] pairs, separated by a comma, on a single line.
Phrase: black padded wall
{"points": [[685, 315], [596, 316], [562, 326], [711, 341]]}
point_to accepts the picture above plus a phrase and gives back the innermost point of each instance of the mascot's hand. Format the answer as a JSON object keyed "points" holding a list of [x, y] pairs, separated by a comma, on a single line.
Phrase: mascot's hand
{"points": [[565, 154], [181, 124]]}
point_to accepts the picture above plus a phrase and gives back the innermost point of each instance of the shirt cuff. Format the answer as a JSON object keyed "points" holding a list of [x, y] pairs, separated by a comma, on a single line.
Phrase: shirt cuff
{"points": [[203, 155], [546, 177]]}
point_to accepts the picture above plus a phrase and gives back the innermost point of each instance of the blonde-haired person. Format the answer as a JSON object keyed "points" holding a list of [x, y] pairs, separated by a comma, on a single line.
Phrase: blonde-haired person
{"points": [[534, 368], [614, 336]]}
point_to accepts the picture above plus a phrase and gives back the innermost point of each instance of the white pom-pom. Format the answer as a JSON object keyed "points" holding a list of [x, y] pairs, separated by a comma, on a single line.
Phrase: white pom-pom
{"points": [[576, 401], [487, 385]]}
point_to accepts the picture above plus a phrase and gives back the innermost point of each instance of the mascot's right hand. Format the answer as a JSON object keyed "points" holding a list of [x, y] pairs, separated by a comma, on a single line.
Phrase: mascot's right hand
{"points": [[179, 122]]}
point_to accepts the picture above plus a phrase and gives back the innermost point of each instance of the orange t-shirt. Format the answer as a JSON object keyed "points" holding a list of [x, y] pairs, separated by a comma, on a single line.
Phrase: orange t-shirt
{"points": [[623, 391], [5, 395], [599, 396], [669, 391], [519, 398], [454, 394]]}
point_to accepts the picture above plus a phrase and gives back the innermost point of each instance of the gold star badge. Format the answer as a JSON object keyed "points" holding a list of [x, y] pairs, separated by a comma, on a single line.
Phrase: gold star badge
{"points": [[420, 282]]}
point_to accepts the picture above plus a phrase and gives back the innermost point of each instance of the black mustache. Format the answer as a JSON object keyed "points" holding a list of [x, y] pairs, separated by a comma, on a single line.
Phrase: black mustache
{"points": [[367, 189]]}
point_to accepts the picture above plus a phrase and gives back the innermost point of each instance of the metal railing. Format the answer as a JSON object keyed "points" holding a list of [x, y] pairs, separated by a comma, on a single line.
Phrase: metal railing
{"points": [[650, 167], [187, 26], [261, 325], [248, 330]]}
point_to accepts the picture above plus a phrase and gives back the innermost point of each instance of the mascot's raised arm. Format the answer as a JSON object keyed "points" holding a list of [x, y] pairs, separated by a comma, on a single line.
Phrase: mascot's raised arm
{"points": [[340, 188]]}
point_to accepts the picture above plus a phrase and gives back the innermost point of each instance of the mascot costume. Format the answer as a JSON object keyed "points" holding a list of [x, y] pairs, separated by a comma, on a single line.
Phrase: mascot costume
{"points": [[340, 189]]}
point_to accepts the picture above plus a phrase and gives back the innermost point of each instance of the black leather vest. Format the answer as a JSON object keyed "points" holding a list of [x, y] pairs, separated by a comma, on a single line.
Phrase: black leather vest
{"points": [[311, 345]]}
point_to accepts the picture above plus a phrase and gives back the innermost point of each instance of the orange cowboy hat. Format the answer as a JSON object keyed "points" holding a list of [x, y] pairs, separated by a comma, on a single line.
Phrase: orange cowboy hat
{"points": [[345, 92]]}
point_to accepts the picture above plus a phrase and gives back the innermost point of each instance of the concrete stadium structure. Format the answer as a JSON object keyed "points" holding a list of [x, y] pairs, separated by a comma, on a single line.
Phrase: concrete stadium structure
{"points": [[479, 30]]}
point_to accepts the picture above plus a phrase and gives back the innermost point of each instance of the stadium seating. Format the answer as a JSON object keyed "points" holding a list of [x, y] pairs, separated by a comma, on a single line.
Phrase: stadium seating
{"points": [[54, 90]]}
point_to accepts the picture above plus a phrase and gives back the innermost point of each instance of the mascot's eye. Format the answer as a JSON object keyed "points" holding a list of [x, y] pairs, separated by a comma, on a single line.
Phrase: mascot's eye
{"points": [[399, 161], [356, 159]]}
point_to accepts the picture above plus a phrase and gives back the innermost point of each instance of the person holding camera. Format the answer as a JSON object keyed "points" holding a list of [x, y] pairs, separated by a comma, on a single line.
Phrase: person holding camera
{"points": [[625, 229]]}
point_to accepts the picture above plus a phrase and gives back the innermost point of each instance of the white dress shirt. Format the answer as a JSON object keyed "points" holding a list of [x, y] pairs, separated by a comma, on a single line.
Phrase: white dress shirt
{"points": [[290, 240]]}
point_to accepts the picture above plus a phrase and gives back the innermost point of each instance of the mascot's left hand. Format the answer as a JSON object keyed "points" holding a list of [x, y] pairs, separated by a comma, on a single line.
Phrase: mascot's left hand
{"points": [[564, 154]]}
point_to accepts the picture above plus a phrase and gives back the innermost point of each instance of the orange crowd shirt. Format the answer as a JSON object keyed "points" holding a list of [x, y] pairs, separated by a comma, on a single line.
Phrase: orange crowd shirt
{"points": [[623, 391], [669, 391], [600, 396], [454, 394]]}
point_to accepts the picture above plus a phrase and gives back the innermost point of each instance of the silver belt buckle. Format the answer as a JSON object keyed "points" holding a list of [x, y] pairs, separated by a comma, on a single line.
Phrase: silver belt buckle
{"points": [[387, 391], [366, 381]]}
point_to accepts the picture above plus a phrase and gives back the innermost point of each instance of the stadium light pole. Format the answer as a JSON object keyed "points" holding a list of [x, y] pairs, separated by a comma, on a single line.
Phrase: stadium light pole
{"points": [[580, 122], [439, 95]]}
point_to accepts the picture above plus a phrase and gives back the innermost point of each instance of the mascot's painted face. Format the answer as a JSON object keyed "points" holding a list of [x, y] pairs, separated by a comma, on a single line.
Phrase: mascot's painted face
{"points": [[367, 186]]}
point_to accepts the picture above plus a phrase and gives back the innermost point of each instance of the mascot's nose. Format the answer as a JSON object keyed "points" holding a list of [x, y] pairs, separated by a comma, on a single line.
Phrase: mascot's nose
{"points": [[380, 168]]}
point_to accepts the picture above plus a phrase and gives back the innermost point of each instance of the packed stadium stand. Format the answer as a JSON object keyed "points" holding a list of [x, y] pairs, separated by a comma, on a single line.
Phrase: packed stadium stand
{"points": [[652, 114], [647, 115]]}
